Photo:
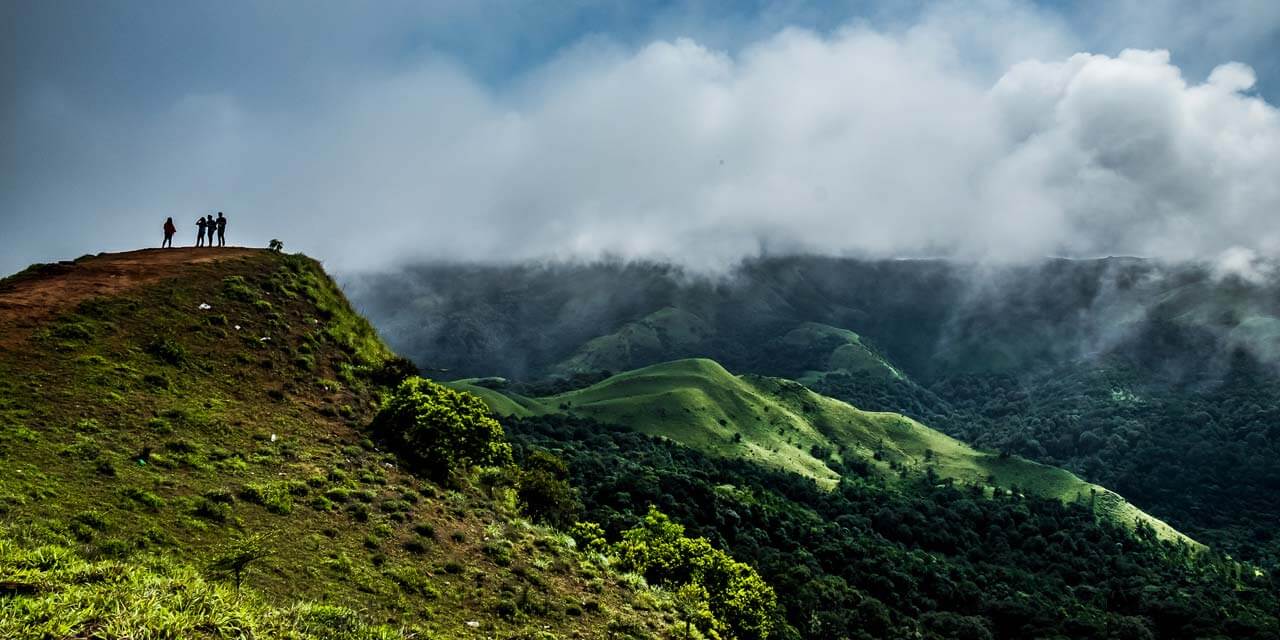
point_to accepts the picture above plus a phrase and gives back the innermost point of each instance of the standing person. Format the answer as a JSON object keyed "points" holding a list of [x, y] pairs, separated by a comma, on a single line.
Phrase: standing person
{"points": [[209, 226], [222, 230], [169, 230], [201, 224]]}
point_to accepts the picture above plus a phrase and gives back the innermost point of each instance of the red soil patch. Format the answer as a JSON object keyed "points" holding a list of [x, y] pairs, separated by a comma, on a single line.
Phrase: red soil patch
{"points": [[30, 298]]}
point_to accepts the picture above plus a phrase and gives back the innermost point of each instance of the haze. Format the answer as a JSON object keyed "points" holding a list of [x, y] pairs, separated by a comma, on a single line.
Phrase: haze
{"points": [[700, 133]]}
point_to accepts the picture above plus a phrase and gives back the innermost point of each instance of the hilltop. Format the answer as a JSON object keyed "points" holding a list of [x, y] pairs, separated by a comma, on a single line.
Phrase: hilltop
{"points": [[162, 411], [784, 425]]}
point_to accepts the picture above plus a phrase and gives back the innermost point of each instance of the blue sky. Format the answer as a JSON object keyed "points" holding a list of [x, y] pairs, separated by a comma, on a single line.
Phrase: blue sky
{"points": [[121, 112]]}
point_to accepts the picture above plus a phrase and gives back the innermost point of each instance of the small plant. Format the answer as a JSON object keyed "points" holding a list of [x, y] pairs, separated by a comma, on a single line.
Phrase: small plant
{"points": [[236, 288], [275, 245], [358, 511], [275, 497], [211, 511], [235, 558], [166, 350]]}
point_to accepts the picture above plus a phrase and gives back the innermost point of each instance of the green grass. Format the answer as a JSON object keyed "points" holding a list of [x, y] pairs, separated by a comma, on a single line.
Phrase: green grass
{"points": [[783, 424], [850, 354], [646, 340], [138, 438], [56, 593]]}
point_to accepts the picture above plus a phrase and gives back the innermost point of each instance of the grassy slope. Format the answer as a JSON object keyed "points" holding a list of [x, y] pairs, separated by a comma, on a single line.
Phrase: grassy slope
{"points": [[783, 424], [140, 434], [850, 356], [665, 331]]}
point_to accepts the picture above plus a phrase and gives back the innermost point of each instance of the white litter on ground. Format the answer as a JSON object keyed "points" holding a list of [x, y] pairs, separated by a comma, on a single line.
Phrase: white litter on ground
{"points": [[204, 307]]}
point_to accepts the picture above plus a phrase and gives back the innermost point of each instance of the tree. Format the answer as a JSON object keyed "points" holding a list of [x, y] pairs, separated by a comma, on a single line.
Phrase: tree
{"points": [[544, 491], [739, 599], [238, 554], [691, 603], [439, 430]]}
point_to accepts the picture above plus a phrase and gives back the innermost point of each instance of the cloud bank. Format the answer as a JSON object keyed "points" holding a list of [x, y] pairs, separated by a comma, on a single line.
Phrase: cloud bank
{"points": [[953, 135]]}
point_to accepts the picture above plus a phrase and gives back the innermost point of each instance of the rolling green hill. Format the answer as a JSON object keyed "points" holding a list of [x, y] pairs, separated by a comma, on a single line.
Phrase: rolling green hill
{"points": [[658, 334], [783, 424], [165, 412]]}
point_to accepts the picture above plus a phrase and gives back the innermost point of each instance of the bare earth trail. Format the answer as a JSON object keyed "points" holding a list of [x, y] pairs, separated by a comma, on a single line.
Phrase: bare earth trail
{"points": [[28, 299]]}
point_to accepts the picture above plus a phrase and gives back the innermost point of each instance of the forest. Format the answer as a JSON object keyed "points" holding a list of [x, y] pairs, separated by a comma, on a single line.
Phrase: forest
{"points": [[873, 560]]}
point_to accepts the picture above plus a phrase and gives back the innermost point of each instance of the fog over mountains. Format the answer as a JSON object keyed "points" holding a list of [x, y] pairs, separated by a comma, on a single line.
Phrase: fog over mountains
{"points": [[997, 130]]}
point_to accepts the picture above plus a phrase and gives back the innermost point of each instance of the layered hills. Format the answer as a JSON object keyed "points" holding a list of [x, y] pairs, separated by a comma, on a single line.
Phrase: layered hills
{"points": [[784, 425]]}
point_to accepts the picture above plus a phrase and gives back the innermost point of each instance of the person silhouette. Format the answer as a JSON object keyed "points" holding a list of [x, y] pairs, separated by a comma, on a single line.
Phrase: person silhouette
{"points": [[222, 230], [201, 224], [169, 230], [209, 226]]}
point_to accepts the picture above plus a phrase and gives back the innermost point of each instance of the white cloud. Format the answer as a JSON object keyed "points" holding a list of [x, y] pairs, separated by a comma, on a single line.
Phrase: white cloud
{"points": [[864, 141]]}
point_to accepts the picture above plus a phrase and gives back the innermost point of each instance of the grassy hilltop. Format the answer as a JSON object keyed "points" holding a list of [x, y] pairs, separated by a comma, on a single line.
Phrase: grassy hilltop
{"points": [[782, 424], [163, 412]]}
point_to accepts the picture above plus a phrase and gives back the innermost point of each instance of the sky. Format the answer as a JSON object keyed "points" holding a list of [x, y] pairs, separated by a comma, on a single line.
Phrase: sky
{"points": [[371, 134]]}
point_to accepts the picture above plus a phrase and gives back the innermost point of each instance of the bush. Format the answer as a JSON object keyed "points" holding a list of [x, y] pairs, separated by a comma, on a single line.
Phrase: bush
{"points": [[210, 510], [236, 288], [416, 545], [439, 429], [740, 601], [75, 331], [166, 350], [393, 371], [544, 491], [276, 497]]}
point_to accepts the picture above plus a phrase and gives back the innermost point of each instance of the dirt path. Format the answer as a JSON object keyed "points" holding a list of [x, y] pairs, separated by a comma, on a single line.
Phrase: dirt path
{"points": [[30, 299]]}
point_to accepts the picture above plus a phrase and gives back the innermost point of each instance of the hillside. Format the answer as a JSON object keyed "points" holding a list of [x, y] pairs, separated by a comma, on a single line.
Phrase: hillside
{"points": [[1157, 380], [162, 412], [783, 425]]}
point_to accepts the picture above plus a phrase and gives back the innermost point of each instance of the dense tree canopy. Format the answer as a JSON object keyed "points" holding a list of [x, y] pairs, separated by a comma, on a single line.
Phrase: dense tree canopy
{"points": [[439, 429], [875, 560]]}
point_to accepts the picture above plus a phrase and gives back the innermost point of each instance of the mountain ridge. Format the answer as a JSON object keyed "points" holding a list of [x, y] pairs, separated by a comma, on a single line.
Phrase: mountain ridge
{"points": [[698, 403]]}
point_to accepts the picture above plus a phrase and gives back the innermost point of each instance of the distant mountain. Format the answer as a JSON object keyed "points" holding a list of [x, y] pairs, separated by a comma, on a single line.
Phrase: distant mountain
{"points": [[784, 425], [1157, 380]]}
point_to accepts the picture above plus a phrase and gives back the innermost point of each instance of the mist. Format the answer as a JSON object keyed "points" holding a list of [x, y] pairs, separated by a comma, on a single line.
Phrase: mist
{"points": [[976, 132]]}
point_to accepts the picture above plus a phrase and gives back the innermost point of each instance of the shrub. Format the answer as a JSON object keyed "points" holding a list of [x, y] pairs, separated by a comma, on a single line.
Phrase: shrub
{"points": [[212, 511], [358, 511], [741, 602], [166, 350], [439, 429], [143, 497], [499, 551], [236, 288], [157, 380], [393, 371], [544, 491], [395, 506], [74, 331], [275, 497]]}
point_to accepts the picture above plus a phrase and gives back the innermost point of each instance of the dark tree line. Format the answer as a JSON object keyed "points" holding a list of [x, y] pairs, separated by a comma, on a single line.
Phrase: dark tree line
{"points": [[869, 560]]}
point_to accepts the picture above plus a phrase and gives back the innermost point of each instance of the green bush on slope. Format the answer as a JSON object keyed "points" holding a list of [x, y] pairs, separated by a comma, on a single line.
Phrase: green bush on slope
{"points": [[441, 430], [741, 604]]}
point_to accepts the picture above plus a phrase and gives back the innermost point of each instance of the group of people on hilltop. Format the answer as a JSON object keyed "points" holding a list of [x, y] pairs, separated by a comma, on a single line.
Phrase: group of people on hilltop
{"points": [[207, 226]]}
